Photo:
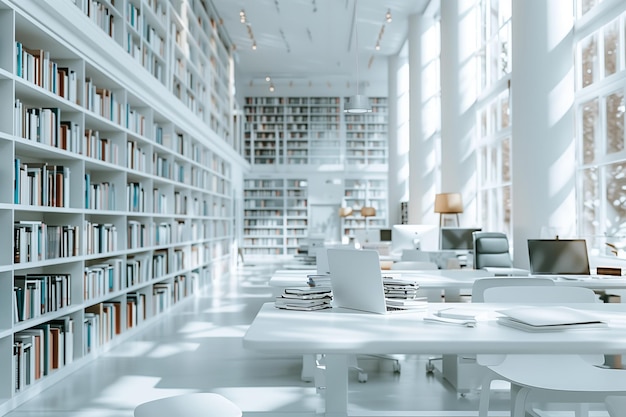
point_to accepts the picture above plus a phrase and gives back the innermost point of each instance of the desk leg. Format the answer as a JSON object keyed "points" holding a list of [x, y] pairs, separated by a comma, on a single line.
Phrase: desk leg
{"points": [[308, 368], [336, 391], [452, 295]]}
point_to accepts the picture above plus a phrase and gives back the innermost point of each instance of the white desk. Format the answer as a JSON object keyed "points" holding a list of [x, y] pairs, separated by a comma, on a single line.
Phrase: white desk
{"points": [[340, 334], [448, 280]]}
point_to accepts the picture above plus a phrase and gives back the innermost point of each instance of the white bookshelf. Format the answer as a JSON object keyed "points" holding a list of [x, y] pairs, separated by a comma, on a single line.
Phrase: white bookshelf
{"points": [[314, 131], [121, 195], [275, 216], [305, 133], [364, 192]]}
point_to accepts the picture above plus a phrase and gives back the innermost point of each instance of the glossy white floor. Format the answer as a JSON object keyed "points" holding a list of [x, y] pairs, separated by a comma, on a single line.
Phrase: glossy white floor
{"points": [[196, 347]]}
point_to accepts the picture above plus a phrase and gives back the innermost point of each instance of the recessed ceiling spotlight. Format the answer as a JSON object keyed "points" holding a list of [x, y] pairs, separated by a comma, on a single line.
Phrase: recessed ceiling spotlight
{"points": [[271, 88], [254, 46], [378, 46], [388, 16], [242, 16]]}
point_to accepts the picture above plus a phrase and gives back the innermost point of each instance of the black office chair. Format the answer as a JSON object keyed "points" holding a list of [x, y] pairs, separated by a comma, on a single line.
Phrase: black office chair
{"points": [[491, 253]]}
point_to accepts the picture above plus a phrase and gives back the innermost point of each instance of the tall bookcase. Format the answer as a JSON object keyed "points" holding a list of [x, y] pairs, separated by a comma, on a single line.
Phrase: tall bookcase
{"points": [[364, 192], [305, 133], [120, 202], [275, 216], [314, 131]]}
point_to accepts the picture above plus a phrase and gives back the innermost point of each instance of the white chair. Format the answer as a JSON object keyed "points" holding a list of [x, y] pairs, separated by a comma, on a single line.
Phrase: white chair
{"points": [[414, 255], [549, 378], [462, 370], [189, 405], [480, 285], [616, 406], [414, 265]]}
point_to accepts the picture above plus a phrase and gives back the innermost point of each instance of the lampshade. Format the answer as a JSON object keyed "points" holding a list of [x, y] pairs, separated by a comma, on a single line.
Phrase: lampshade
{"points": [[357, 104], [345, 211], [448, 203], [368, 211]]}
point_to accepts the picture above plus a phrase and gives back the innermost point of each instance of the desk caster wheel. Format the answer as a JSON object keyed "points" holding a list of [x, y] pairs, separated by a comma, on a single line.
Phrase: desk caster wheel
{"points": [[362, 377], [430, 368]]}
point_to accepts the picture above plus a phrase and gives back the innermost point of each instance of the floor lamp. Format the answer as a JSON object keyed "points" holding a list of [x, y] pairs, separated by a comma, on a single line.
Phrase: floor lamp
{"points": [[448, 203]]}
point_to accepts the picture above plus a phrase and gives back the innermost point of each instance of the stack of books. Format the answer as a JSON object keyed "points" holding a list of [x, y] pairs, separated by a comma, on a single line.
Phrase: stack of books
{"points": [[304, 298], [318, 280], [403, 293]]}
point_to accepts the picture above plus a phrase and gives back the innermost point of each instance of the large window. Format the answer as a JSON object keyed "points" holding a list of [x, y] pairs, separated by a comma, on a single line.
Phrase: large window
{"points": [[494, 49], [493, 57], [600, 108], [494, 169]]}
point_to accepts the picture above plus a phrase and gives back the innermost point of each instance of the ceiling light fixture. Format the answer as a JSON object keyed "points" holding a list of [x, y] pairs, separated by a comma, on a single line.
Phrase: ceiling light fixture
{"points": [[357, 104], [242, 16], [267, 78], [388, 16], [271, 88], [254, 46]]}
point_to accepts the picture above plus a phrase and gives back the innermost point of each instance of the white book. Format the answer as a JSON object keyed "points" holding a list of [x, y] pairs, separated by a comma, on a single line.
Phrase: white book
{"points": [[549, 318]]}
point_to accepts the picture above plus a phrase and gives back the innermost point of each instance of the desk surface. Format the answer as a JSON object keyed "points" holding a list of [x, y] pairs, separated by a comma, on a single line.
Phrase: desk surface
{"points": [[450, 279], [343, 331], [340, 333]]}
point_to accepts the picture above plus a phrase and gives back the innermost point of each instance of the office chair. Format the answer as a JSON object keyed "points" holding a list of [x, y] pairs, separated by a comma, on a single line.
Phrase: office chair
{"points": [[549, 378], [491, 253]]}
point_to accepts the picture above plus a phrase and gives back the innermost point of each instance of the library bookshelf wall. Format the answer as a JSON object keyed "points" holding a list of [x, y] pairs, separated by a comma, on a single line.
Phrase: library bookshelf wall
{"points": [[364, 192], [314, 131], [120, 203], [275, 216], [305, 133]]}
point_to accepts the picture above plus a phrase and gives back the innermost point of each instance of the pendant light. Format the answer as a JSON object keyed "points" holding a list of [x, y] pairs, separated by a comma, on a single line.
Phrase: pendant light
{"points": [[357, 104]]}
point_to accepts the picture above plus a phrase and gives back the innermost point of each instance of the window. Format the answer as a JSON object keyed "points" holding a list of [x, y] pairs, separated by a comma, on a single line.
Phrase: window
{"points": [[494, 165], [493, 58], [493, 54], [600, 108]]}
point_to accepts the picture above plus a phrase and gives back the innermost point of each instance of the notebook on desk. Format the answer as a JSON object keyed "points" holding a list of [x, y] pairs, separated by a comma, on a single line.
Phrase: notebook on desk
{"points": [[564, 258], [357, 282]]}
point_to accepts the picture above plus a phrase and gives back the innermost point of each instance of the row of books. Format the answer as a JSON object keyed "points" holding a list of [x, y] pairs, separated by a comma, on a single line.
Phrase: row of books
{"points": [[40, 350], [304, 298], [37, 241], [102, 149], [98, 13], [103, 278], [100, 324], [44, 125], [38, 294], [100, 196], [35, 65], [100, 238], [104, 102], [41, 184]]}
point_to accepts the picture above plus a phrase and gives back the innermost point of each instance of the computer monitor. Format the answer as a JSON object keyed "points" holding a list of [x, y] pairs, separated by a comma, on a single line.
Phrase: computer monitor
{"points": [[458, 238], [558, 256], [385, 235], [413, 236]]}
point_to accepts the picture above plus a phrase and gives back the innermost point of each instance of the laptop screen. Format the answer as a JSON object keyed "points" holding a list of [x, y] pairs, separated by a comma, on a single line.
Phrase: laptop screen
{"points": [[558, 256]]}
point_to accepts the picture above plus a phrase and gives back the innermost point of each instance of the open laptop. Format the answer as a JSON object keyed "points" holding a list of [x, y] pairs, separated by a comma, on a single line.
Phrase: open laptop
{"points": [[565, 258], [357, 282]]}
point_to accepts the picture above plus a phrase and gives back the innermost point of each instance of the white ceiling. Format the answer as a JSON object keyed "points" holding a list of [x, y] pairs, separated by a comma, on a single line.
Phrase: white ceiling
{"points": [[310, 42]]}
